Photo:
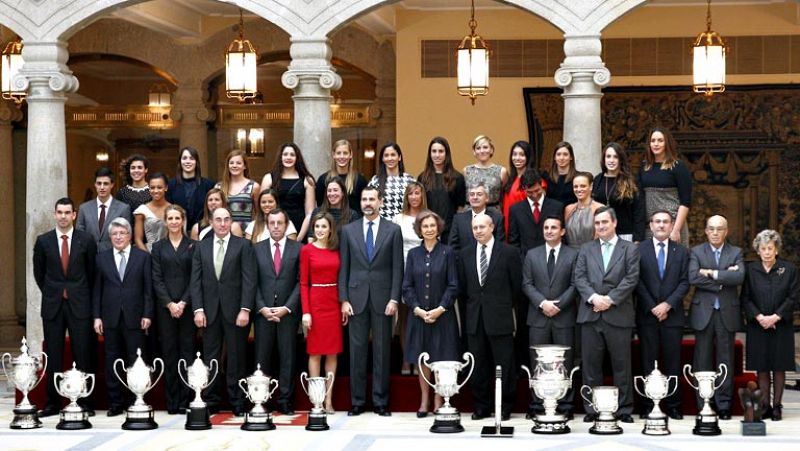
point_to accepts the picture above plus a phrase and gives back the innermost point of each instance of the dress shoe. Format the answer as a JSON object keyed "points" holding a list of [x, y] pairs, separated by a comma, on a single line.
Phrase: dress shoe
{"points": [[675, 414], [355, 411], [777, 412], [238, 411], [286, 409], [422, 413], [174, 411], [590, 418], [479, 415], [114, 411], [382, 411], [767, 413], [724, 414], [626, 418], [505, 416], [568, 416], [49, 410], [213, 409]]}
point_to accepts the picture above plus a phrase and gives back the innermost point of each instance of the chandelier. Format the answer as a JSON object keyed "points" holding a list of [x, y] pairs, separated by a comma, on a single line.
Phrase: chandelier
{"points": [[240, 66], [708, 51], [11, 64], [473, 63]]}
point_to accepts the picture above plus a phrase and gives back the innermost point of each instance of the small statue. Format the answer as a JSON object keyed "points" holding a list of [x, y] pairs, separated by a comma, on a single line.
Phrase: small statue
{"points": [[751, 398]]}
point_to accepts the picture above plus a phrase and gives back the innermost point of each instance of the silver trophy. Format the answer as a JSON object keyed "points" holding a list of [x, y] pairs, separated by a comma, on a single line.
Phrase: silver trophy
{"points": [[550, 382], [447, 419], [73, 384], [140, 415], [317, 389], [707, 422], [258, 392], [21, 371], [198, 377], [656, 387], [605, 401]]}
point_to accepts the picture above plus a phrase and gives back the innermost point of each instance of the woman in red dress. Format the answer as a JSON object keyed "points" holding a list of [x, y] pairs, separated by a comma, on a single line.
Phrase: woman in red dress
{"points": [[319, 295]]}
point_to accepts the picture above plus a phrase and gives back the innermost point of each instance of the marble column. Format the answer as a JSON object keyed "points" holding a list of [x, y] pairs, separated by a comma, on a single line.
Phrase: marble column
{"points": [[193, 114], [582, 76], [47, 79], [312, 77], [10, 331]]}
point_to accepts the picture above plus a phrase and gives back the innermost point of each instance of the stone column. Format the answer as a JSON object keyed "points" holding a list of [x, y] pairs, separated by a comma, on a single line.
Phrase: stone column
{"points": [[582, 75], [10, 332], [193, 114], [47, 79], [312, 77]]}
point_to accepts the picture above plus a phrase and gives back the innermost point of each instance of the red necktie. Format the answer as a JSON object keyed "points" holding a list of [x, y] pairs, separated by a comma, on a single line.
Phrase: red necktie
{"points": [[276, 259], [536, 212], [102, 221], [64, 258]]}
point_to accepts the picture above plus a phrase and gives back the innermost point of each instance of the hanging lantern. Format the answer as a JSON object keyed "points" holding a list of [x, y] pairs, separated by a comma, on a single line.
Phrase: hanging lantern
{"points": [[709, 51], [240, 66], [11, 64], [473, 63]]}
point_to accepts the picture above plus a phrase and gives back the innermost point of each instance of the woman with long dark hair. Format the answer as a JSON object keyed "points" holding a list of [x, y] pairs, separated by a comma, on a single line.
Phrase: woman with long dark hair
{"points": [[257, 230], [391, 180], [215, 198], [446, 189], [336, 203], [520, 158], [616, 187], [136, 190], [189, 188], [295, 186], [342, 168], [562, 171]]}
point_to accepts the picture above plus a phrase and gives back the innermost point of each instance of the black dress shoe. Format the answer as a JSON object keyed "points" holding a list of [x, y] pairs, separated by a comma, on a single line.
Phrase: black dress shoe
{"points": [[173, 411], [239, 411], [90, 412], [479, 415], [626, 418], [764, 415], [114, 411], [568, 415], [590, 418], [286, 409], [777, 412], [644, 414], [675, 414], [422, 413], [355, 411], [382, 411], [505, 416], [724, 414], [213, 409], [49, 410]]}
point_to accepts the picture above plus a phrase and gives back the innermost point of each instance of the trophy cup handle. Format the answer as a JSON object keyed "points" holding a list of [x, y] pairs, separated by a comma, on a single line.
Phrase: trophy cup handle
{"points": [[304, 377], [117, 372], [423, 359], [723, 370], [527, 371], [687, 372], [675, 378], [153, 370], [3, 359], [470, 360], [247, 395], [215, 365], [275, 388], [572, 373], [45, 360], [90, 390], [329, 377], [636, 380], [56, 377], [584, 396], [180, 373]]}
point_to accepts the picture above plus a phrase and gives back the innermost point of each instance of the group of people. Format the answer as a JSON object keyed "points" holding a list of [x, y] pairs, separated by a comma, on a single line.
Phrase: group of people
{"points": [[491, 259]]}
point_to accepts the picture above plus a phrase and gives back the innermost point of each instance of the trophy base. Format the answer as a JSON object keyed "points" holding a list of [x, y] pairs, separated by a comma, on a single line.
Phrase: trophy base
{"points": [[447, 423], [550, 425], [656, 426], [605, 427], [25, 418], [317, 421], [140, 420], [497, 431], [754, 428], [257, 422], [706, 425], [197, 419], [72, 420]]}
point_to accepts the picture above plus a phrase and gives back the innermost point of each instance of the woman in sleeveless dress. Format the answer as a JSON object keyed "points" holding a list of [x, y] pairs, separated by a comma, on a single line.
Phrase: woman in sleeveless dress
{"points": [[295, 186], [257, 230], [579, 216], [241, 191], [493, 176], [149, 217], [391, 180], [215, 198]]}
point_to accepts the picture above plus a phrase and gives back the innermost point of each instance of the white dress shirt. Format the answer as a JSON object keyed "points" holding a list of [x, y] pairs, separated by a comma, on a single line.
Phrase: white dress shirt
{"points": [[666, 249], [68, 233], [365, 226], [118, 258], [107, 204], [613, 244]]}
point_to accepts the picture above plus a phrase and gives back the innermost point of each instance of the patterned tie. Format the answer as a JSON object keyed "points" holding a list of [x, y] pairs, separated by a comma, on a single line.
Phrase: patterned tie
{"points": [[606, 254], [551, 263], [122, 264], [370, 241], [276, 259], [220, 257], [716, 257], [102, 221], [65, 259], [536, 212], [662, 260], [484, 264]]}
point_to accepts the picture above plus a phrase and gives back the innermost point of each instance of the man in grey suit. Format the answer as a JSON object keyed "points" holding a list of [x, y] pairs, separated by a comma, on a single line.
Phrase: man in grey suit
{"points": [[606, 275], [95, 215], [278, 304], [716, 269], [370, 280], [547, 284]]}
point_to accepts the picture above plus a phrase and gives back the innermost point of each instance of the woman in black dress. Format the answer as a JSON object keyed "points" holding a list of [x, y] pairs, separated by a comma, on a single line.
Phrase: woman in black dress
{"points": [[769, 299], [430, 286], [445, 189], [189, 188], [342, 169], [295, 186], [336, 203], [616, 187], [562, 171]]}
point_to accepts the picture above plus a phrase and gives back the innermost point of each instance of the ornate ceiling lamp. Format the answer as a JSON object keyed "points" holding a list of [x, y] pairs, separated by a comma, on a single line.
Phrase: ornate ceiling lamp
{"points": [[709, 52], [473, 63], [240, 66], [11, 64]]}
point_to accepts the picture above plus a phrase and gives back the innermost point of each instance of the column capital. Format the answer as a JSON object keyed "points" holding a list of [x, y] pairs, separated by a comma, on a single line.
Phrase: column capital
{"points": [[311, 65], [583, 59], [45, 74]]}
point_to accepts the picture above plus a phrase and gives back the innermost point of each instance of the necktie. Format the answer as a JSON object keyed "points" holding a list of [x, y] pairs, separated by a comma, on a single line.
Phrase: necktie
{"points": [[716, 258], [276, 259], [64, 258], [220, 257], [370, 241], [536, 212], [662, 260], [551, 263], [484, 264], [102, 221], [606, 254], [122, 264]]}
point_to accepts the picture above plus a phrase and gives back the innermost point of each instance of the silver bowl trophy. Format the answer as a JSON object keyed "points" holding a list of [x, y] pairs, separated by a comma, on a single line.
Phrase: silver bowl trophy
{"points": [[72, 384], [139, 416], [258, 392], [550, 382], [498, 430], [447, 418], [21, 372], [707, 422], [198, 377], [317, 388], [605, 401], [656, 387]]}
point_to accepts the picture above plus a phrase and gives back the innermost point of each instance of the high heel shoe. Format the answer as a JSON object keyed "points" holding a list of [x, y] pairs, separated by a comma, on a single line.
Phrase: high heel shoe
{"points": [[777, 412], [767, 413]]}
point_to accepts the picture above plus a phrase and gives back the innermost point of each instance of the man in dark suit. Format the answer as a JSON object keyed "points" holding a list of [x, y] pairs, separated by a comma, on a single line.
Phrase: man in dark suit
{"points": [[278, 304], [223, 290], [461, 230], [547, 284], [370, 280], [95, 215], [663, 282], [63, 266], [489, 280], [716, 269], [123, 304], [606, 275]]}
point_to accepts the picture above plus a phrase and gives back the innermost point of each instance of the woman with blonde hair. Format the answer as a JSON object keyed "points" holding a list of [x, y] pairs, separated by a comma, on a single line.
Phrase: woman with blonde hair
{"points": [[492, 176], [342, 168], [239, 188]]}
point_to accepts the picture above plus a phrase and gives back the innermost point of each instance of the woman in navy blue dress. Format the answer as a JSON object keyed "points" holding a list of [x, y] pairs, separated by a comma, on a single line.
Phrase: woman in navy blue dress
{"points": [[430, 285]]}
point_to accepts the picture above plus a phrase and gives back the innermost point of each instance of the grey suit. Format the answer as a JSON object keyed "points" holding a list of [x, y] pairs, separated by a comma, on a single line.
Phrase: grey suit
{"points": [[88, 220], [368, 286], [712, 325], [611, 329]]}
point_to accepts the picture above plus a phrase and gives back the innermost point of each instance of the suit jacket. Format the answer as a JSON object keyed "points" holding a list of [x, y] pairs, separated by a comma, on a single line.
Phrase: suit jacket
{"points": [[377, 281], [132, 294], [652, 290], [494, 301], [538, 286], [461, 230], [523, 232], [172, 271], [236, 287], [50, 277], [282, 289], [618, 282], [725, 286], [88, 220]]}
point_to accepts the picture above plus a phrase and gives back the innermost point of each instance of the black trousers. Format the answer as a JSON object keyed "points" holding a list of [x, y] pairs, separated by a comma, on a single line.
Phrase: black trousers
{"points": [[490, 351], [360, 326], [272, 337], [657, 340], [555, 336], [598, 337], [121, 343], [715, 341], [83, 342], [177, 342], [234, 338]]}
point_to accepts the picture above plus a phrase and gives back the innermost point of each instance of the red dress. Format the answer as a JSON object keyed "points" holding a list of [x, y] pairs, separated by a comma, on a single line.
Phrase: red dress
{"points": [[514, 195], [321, 267]]}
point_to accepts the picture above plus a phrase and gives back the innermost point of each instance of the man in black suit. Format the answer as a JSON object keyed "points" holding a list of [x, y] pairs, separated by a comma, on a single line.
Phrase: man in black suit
{"points": [[95, 215], [370, 280], [547, 284], [663, 282], [278, 304], [461, 230], [123, 304], [716, 269], [489, 280], [63, 266], [606, 275], [223, 293]]}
